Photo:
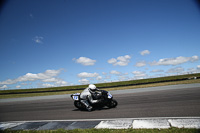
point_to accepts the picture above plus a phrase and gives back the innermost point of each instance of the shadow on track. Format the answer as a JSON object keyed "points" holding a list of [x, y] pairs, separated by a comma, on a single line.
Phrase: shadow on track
{"points": [[94, 109]]}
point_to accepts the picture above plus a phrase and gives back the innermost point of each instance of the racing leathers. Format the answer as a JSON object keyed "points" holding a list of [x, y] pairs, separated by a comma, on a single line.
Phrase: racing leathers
{"points": [[88, 96]]}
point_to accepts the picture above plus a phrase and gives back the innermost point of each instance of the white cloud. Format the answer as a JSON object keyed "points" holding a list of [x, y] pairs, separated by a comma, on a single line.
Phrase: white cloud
{"points": [[52, 72], [115, 72], [57, 81], [192, 70], [123, 78], [175, 61], [85, 61], [4, 87], [112, 61], [121, 60], [157, 70], [87, 75], [25, 83], [140, 64], [99, 78], [61, 82], [8, 82], [104, 73], [107, 77], [38, 39], [50, 80], [84, 81], [176, 70], [18, 86], [139, 74], [145, 52], [47, 76], [47, 85]]}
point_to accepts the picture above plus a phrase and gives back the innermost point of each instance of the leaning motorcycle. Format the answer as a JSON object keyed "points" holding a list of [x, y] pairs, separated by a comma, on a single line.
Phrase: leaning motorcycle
{"points": [[106, 100]]}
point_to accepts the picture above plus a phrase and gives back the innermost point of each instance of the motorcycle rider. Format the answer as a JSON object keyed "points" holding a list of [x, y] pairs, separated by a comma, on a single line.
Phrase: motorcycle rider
{"points": [[91, 94]]}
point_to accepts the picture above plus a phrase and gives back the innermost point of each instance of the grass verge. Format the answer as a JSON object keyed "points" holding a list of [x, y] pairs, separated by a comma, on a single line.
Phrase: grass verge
{"points": [[170, 130], [108, 89], [162, 81]]}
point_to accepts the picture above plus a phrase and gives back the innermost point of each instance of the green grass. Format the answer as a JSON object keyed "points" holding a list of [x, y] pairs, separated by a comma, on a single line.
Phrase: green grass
{"points": [[172, 80], [108, 89], [170, 130]]}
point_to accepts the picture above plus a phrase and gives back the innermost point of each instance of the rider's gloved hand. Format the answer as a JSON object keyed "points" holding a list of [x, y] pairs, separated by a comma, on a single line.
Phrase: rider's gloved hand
{"points": [[98, 96]]}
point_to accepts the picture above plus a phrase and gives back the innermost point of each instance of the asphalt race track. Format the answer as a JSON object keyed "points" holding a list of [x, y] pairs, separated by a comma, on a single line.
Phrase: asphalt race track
{"points": [[182, 102]]}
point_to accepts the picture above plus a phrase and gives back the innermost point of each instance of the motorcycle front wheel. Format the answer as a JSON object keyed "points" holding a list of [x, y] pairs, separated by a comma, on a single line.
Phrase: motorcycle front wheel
{"points": [[79, 105], [112, 104]]}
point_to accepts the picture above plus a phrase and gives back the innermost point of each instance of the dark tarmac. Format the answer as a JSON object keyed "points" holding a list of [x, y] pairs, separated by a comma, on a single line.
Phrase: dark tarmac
{"points": [[160, 103]]}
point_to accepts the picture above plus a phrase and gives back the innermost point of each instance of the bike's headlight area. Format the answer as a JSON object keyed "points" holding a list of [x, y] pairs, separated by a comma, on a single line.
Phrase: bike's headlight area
{"points": [[76, 96], [109, 95]]}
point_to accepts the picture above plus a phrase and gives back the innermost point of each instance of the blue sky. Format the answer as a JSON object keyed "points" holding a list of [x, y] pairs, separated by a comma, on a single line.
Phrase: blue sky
{"points": [[70, 42]]}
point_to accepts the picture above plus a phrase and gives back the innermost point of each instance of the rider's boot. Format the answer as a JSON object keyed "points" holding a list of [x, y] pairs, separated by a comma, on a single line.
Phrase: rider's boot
{"points": [[87, 105], [89, 108]]}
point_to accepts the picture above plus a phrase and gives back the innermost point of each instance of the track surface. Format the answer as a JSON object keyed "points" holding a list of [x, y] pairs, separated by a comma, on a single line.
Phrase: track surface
{"points": [[160, 103]]}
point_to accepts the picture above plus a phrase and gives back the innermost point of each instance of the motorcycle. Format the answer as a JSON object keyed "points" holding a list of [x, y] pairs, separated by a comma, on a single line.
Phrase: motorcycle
{"points": [[106, 99]]}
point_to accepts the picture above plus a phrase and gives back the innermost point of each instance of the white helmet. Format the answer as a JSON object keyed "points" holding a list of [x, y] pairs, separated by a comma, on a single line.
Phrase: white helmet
{"points": [[92, 87]]}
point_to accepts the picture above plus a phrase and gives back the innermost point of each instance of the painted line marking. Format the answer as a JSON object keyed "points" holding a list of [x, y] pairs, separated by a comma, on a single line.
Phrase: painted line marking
{"points": [[8, 125], [139, 118]]}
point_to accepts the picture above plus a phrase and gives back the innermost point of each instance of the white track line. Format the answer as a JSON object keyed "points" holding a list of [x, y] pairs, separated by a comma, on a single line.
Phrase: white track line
{"points": [[142, 118]]}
